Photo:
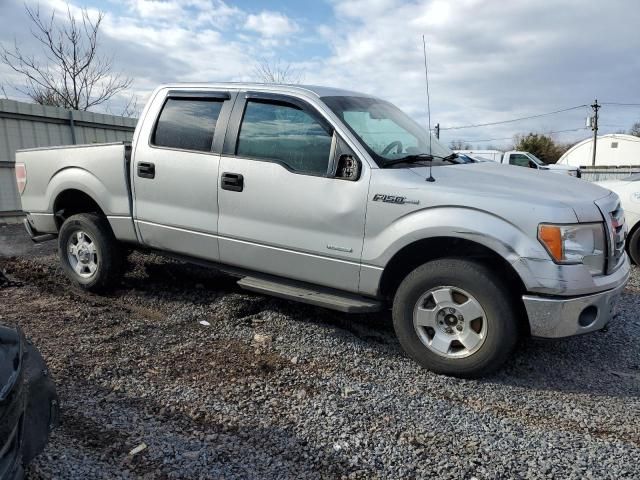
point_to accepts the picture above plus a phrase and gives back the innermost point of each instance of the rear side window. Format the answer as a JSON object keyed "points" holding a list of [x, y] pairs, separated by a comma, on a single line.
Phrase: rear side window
{"points": [[187, 123], [285, 133]]}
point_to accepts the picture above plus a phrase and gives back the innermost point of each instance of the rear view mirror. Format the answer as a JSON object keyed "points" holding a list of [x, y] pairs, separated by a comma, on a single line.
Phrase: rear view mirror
{"points": [[348, 167]]}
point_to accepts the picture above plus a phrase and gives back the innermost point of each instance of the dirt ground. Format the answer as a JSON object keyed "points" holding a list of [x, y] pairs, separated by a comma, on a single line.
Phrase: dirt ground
{"points": [[212, 382]]}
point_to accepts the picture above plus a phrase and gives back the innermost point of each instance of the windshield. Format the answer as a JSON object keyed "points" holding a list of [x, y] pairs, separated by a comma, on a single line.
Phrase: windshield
{"points": [[387, 132]]}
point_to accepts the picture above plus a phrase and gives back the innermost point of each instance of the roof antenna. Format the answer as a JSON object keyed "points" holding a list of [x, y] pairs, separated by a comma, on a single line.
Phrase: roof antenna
{"points": [[426, 78]]}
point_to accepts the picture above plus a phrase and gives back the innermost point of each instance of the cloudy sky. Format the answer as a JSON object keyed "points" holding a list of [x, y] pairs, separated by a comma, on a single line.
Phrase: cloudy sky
{"points": [[490, 60]]}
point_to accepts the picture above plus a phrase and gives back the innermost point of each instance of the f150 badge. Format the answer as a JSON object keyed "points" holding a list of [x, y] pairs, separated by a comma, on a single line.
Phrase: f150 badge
{"points": [[381, 197]]}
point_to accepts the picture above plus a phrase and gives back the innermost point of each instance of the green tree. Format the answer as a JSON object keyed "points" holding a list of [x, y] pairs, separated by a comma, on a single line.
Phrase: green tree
{"points": [[542, 146]]}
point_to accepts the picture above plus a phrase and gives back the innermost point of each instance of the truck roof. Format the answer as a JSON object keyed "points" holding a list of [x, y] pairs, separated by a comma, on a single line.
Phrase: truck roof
{"points": [[317, 90]]}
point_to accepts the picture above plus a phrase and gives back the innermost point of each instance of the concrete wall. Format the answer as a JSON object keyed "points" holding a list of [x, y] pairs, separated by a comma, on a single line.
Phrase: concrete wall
{"points": [[26, 125]]}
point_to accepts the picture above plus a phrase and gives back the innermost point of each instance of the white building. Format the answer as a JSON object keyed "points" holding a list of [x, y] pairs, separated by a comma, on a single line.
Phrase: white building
{"points": [[615, 149]]}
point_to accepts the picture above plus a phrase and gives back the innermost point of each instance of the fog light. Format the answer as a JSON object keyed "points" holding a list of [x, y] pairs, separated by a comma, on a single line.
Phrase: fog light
{"points": [[588, 316]]}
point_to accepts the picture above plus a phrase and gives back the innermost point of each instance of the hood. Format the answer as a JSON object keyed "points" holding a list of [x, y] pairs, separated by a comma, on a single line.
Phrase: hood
{"points": [[493, 187]]}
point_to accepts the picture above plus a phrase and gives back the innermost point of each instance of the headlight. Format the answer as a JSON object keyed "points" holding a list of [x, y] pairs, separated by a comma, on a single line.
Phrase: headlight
{"points": [[573, 173], [573, 244]]}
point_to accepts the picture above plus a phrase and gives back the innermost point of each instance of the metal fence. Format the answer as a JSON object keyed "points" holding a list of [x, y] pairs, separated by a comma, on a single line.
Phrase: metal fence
{"points": [[26, 125], [594, 174]]}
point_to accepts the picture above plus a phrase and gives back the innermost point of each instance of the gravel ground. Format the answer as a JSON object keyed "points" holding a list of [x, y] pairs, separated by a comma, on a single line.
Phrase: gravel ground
{"points": [[273, 389]]}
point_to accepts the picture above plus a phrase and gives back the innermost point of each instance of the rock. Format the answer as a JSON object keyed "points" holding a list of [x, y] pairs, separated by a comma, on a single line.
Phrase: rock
{"points": [[138, 449], [260, 339]]}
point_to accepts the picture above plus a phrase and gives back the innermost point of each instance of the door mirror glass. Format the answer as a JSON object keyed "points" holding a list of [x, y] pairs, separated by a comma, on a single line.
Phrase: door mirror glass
{"points": [[348, 167]]}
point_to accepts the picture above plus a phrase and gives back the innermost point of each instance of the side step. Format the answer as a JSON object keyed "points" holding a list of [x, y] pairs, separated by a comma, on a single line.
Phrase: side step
{"points": [[314, 295]]}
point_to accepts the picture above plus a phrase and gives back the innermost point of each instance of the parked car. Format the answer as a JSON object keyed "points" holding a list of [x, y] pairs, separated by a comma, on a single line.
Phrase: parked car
{"points": [[464, 158], [338, 199], [493, 155], [522, 159], [628, 189], [28, 403]]}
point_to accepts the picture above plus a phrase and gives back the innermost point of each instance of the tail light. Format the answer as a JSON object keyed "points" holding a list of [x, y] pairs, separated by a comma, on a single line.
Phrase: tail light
{"points": [[21, 177]]}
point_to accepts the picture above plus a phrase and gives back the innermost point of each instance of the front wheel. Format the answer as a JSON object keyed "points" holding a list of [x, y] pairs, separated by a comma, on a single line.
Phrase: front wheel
{"points": [[90, 255], [455, 317]]}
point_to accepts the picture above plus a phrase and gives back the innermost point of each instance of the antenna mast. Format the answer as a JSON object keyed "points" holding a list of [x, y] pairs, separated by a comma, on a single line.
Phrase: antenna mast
{"points": [[426, 78]]}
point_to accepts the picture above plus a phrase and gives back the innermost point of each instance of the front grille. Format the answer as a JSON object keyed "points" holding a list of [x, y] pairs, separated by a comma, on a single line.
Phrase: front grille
{"points": [[618, 231]]}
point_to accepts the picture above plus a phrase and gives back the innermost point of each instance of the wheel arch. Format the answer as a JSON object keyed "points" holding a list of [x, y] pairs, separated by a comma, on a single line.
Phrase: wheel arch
{"points": [[425, 250], [72, 201]]}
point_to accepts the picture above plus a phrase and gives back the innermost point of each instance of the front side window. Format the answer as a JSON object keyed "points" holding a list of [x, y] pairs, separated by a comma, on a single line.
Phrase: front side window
{"points": [[188, 124], [283, 132], [520, 160]]}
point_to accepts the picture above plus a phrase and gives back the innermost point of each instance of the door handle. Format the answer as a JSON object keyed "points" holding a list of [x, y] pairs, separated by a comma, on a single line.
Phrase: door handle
{"points": [[232, 181], [146, 170]]}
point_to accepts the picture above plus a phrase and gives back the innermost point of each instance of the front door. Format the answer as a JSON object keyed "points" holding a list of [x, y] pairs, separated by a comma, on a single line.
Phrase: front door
{"points": [[283, 209], [175, 174]]}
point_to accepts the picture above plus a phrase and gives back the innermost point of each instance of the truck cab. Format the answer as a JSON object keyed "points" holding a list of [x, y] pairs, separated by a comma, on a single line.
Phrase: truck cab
{"points": [[529, 160]]}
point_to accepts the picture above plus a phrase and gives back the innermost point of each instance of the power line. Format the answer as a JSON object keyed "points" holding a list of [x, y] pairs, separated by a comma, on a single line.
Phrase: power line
{"points": [[511, 138], [514, 119], [621, 104]]}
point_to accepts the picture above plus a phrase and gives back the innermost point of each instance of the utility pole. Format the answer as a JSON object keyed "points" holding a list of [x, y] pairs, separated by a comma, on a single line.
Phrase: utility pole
{"points": [[437, 131], [594, 127]]}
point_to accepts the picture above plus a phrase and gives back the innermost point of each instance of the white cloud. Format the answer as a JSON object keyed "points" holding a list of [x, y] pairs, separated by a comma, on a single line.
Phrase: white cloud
{"points": [[271, 24], [488, 61]]}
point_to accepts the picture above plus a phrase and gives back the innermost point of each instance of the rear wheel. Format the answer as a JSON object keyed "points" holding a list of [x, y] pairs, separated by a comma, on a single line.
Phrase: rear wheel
{"points": [[633, 246], [90, 255], [455, 317]]}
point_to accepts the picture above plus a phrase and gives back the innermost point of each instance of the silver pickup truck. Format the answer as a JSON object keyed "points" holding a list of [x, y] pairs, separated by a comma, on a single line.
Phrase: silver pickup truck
{"points": [[338, 199]]}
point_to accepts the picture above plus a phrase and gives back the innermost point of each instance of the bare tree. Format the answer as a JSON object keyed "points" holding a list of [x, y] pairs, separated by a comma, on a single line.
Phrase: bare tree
{"points": [[635, 129], [276, 72], [459, 145], [72, 74], [4, 92], [130, 109]]}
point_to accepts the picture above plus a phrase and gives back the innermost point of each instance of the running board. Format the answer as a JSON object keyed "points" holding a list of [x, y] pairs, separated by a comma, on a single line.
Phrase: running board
{"points": [[314, 295]]}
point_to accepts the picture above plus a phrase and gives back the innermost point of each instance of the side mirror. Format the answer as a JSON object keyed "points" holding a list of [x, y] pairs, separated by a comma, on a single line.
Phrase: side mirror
{"points": [[348, 167]]}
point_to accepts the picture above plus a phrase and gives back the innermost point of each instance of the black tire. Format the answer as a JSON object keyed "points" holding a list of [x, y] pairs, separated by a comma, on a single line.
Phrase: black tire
{"points": [[633, 246], [491, 294], [109, 257]]}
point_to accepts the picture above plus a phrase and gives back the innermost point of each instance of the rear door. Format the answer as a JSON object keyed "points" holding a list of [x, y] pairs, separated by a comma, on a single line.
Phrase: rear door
{"points": [[175, 172], [283, 208]]}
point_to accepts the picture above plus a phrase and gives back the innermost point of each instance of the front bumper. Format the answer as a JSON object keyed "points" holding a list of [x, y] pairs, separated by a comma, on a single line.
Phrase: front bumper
{"points": [[564, 317]]}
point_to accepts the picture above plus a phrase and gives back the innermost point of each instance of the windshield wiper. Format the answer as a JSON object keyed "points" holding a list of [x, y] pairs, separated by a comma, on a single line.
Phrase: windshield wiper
{"points": [[419, 157]]}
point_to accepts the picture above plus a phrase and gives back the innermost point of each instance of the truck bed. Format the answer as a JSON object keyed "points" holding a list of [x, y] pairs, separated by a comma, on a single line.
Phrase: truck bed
{"points": [[100, 170]]}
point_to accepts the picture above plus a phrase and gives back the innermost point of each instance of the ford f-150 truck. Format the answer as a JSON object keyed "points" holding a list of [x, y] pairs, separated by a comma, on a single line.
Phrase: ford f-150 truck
{"points": [[341, 200]]}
